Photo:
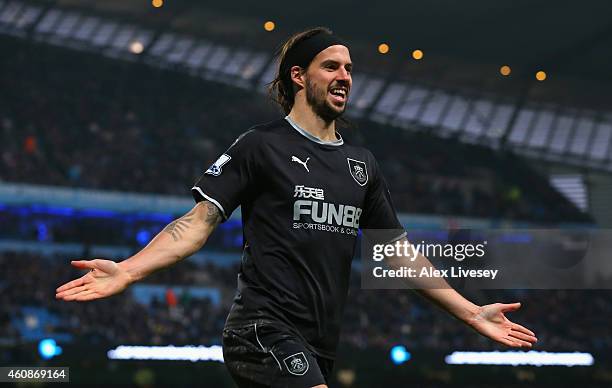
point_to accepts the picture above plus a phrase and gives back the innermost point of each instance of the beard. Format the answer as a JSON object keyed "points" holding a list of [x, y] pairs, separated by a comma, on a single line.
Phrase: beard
{"points": [[317, 99]]}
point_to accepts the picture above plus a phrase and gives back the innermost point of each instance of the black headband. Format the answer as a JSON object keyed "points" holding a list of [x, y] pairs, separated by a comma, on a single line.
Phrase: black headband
{"points": [[304, 51]]}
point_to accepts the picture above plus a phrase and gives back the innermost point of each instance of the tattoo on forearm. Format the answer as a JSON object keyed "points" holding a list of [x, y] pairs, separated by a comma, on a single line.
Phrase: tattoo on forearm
{"points": [[213, 216], [178, 227]]}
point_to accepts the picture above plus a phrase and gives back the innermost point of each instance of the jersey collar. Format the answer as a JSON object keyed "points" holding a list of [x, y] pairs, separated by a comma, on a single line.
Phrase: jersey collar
{"points": [[313, 138]]}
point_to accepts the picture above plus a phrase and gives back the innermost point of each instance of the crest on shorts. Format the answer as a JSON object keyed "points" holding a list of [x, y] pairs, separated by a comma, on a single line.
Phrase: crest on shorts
{"points": [[216, 169], [296, 364], [358, 171]]}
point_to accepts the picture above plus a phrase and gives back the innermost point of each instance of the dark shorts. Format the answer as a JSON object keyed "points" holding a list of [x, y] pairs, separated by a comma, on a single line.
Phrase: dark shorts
{"points": [[260, 355]]}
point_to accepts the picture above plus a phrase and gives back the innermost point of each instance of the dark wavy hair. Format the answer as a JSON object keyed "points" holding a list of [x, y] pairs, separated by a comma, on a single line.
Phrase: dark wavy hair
{"points": [[281, 88]]}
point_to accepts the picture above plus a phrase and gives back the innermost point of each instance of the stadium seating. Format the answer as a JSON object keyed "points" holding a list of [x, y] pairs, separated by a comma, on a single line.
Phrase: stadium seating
{"points": [[30, 281], [125, 126]]}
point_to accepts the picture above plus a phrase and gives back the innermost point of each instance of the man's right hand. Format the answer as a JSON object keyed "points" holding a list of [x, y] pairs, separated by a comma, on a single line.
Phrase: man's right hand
{"points": [[104, 279], [179, 239]]}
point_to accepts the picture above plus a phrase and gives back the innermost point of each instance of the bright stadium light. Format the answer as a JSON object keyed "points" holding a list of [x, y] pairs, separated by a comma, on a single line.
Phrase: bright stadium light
{"points": [[173, 353], [383, 48], [505, 70], [417, 54], [47, 348], [143, 236], [269, 26], [540, 75], [399, 354], [136, 47], [157, 3], [515, 358]]}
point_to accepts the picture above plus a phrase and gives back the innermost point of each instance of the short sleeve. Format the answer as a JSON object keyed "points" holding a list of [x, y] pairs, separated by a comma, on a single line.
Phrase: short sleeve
{"points": [[231, 175], [379, 212]]}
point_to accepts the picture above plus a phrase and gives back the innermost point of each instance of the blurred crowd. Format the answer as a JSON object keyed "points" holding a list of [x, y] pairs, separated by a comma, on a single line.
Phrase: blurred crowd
{"points": [[48, 224], [28, 280], [563, 320], [80, 120]]}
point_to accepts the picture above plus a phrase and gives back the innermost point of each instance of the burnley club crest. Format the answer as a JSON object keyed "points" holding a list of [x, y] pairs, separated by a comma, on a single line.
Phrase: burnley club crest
{"points": [[358, 171], [297, 364]]}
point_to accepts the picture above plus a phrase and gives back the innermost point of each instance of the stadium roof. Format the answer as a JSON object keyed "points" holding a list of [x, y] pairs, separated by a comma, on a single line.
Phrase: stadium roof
{"points": [[455, 91], [564, 37]]}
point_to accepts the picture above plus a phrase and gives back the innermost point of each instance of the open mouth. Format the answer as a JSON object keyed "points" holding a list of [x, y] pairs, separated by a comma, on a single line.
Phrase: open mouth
{"points": [[339, 94]]}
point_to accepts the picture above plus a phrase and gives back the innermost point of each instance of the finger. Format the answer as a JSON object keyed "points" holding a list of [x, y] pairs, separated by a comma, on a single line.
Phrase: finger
{"points": [[506, 307], [524, 337], [72, 291], [87, 296], [77, 295], [522, 329], [507, 342], [521, 343], [75, 283], [83, 264], [73, 296]]}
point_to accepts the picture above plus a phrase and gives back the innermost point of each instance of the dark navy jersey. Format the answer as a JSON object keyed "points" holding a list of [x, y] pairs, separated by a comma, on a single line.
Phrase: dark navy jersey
{"points": [[303, 201]]}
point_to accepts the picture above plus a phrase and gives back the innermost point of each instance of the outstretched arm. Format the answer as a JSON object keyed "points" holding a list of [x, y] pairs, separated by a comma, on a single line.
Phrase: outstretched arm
{"points": [[179, 239], [488, 320]]}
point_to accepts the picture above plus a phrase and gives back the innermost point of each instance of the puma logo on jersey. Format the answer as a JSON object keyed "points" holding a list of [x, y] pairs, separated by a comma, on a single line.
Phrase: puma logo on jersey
{"points": [[296, 159]]}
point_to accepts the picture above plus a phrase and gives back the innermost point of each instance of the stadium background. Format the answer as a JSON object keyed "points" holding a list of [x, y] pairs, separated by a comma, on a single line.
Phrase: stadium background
{"points": [[110, 110]]}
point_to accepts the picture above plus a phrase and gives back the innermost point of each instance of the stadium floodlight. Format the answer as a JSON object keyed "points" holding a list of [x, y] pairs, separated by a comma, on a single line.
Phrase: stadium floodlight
{"points": [[540, 75], [383, 48], [143, 237], [515, 358], [47, 348], [400, 355], [174, 353], [136, 47], [269, 26]]}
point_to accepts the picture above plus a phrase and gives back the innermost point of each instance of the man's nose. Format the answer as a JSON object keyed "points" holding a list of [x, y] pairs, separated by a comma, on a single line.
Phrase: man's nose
{"points": [[344, 75]]}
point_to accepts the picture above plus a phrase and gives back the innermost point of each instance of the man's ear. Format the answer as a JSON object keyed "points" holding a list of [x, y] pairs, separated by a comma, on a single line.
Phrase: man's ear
{"points": [[297, 76]]}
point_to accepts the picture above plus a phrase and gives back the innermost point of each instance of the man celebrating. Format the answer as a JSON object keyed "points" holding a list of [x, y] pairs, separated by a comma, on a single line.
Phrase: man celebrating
{"points": [[304, 194]]}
